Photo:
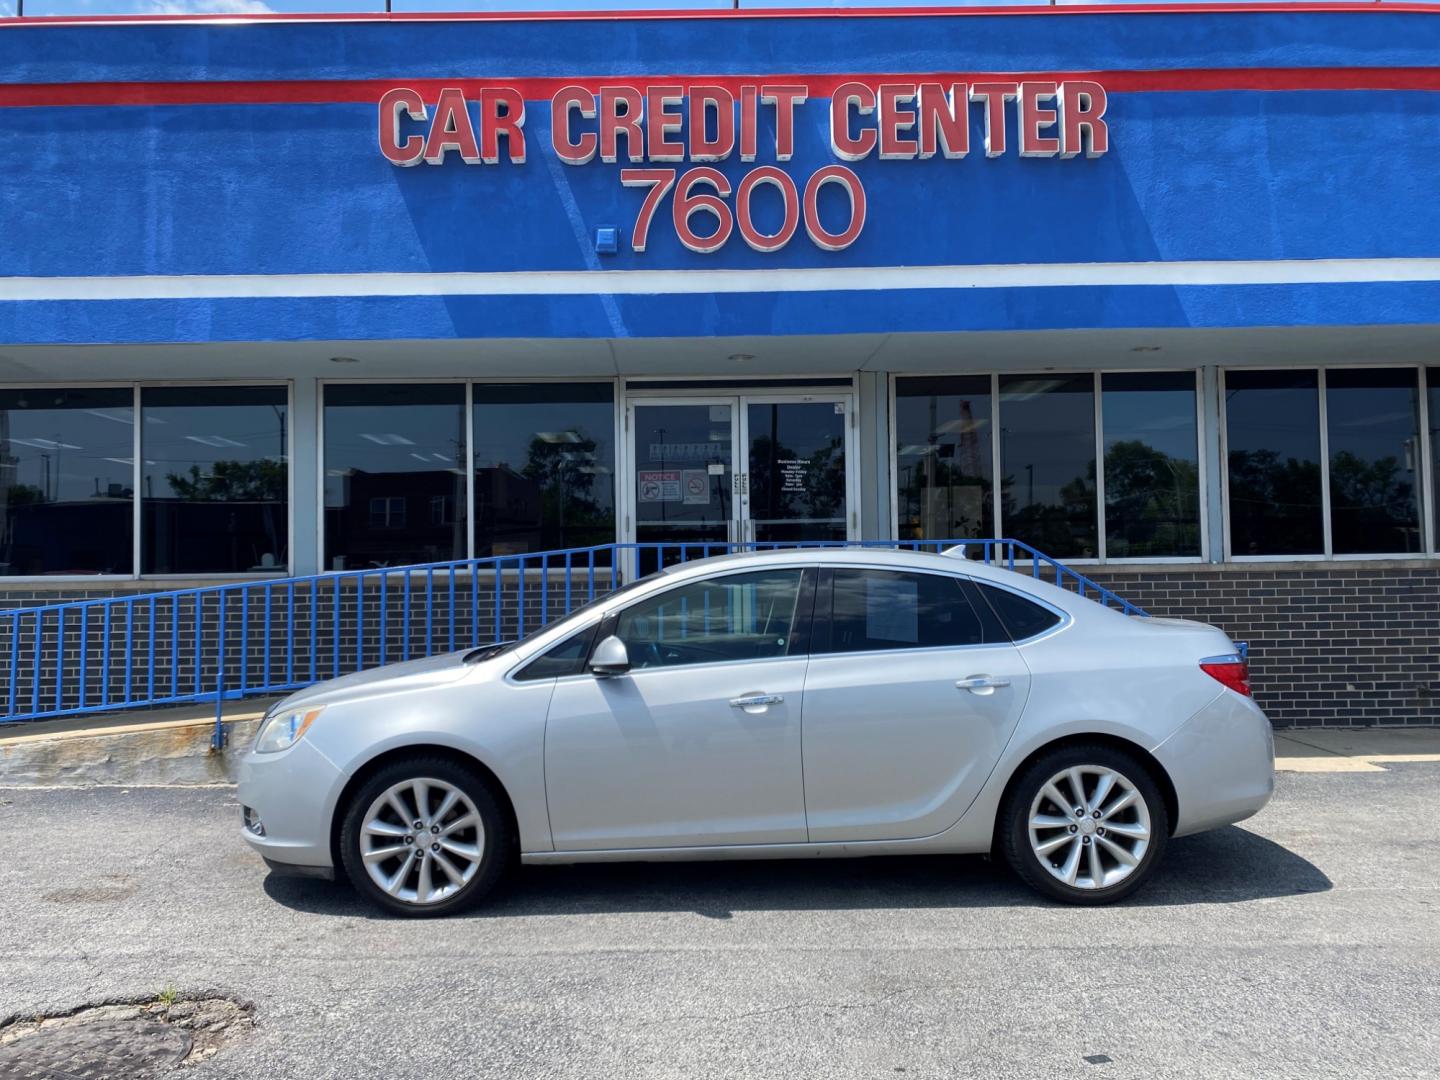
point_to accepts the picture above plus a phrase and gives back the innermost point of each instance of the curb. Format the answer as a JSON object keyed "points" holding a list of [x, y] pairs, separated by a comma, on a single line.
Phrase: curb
{"points": [[117, 751]]}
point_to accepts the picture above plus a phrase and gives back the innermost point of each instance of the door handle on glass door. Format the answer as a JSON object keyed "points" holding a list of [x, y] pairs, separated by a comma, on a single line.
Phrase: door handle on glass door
{"points": [[751, 701], [981, 682]]}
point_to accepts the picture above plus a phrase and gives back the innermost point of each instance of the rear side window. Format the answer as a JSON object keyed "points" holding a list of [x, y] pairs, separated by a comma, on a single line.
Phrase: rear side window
{"points": [[890, 609], [566, 658], [1021, 618]]}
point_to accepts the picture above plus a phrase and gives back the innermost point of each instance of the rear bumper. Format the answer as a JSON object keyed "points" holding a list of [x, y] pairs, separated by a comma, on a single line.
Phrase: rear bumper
{"points": [[292, 794], [1222, 763]]}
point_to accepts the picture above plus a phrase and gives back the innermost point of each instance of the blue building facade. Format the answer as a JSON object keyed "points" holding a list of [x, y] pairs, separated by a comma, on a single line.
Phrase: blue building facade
{"points": [[1155, 290]]}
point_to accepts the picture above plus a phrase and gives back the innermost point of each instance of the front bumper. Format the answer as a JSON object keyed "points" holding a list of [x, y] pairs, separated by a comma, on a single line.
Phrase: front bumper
{"points": [[291, 795], [1222, 763]]}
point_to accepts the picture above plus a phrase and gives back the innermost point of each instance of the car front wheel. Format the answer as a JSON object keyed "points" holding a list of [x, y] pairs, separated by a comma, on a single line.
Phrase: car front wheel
{"points": [[425, 836], [1085, 825]]}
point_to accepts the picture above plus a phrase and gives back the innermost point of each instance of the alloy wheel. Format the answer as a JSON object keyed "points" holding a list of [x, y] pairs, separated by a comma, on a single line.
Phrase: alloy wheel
{"points": [[422, 840], [1089, 827]]}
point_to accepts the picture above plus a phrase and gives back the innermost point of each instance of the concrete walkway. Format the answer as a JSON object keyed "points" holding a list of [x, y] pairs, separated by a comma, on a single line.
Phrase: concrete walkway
{"points": [[1353, 749]]}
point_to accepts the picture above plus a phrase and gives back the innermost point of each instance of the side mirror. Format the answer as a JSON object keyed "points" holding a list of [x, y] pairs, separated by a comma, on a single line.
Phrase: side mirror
{"points": [[610, 658]]}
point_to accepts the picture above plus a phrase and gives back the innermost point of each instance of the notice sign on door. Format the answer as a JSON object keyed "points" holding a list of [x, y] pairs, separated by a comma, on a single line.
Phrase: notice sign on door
{"points": [[663, 486], [792, 474], [697, 487]]}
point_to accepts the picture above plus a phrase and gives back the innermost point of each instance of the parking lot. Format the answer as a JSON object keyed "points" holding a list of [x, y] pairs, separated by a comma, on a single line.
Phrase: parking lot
{"points": [[1303, 943]]}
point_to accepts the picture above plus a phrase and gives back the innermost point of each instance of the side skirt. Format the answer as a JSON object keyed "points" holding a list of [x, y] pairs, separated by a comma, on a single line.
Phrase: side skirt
{"points": [[941, 844]]}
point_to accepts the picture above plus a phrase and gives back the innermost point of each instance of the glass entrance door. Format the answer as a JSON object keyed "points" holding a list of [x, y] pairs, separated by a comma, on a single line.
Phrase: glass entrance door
{"points": [[683, 483], [797, 486], [753, 469]]}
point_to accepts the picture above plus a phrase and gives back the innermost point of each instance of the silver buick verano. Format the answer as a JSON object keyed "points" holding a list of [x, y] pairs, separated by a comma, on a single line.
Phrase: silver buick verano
{"points": [[788, 704]]}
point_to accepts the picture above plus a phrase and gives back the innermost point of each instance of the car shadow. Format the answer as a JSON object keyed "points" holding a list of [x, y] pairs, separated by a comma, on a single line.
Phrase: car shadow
{"points": [[1227, 865]]}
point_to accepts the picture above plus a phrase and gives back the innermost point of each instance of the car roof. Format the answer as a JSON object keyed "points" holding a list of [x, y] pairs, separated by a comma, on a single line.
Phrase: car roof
{"points": [[887, 558]]}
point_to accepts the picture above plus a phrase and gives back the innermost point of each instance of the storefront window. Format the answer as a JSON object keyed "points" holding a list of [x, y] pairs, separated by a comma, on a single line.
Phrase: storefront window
{"points": [[390, 453], [1047, 463], [1432, 382], [215, 481], [67, 487], [944, 469], [544, 467], [1373, 424], [1152, 470], [1272, 431]]}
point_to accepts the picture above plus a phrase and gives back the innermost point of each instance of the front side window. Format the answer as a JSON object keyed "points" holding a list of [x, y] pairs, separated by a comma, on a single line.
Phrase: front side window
{"points": [[944, 470], [737, 617], [544, 467], [67, 481], [888, 609], [1272, 433], [215, 487], [390, 452], [1047, 463]]}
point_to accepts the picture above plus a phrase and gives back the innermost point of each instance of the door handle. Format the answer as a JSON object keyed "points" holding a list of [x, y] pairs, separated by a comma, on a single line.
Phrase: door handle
{"points": [[981, 682], [750, 701]]}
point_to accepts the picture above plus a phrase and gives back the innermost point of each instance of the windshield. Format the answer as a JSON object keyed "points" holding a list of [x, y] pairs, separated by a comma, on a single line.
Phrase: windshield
{"points": [[489, 652]]}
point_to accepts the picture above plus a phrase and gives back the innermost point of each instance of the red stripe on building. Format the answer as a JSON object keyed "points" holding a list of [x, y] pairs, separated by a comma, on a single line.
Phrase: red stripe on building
{"points": [[368, 91]]}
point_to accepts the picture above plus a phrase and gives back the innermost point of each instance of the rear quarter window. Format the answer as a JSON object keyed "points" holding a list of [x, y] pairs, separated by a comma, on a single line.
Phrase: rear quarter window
{"points": [[1021, 618]]}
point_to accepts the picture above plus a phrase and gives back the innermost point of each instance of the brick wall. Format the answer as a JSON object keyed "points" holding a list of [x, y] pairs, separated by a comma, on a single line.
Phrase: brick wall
{"points": [[1331, 644]]}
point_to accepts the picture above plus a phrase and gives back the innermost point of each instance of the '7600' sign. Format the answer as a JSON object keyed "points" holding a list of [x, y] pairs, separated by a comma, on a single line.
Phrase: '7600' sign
{"points": [[663, 126]]}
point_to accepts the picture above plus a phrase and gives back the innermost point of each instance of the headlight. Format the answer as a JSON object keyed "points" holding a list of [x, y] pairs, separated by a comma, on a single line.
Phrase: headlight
{"points": [[284, 730]]}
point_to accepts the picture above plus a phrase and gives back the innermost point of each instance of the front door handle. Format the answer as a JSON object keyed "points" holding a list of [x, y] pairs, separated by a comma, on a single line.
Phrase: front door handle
{"points": [[981, 682], [751, 701]]}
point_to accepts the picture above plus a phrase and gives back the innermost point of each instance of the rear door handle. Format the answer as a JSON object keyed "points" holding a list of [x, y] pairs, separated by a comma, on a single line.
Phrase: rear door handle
{"points": [[751, 701], [981, 682]]}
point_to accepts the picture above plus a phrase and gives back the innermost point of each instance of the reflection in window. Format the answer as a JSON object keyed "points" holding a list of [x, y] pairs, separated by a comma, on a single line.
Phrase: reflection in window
{"points": [[888, 609], [67, 469], [944, 471], [544, 467], [736, 617], [1047, 462], [1152, 471], [1272, 432], [390, 451], [215, 483], [1373, 424]]}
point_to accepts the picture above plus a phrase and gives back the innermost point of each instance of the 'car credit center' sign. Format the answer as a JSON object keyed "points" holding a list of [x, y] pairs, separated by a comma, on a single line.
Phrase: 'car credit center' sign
{"points": [[656, 128]]}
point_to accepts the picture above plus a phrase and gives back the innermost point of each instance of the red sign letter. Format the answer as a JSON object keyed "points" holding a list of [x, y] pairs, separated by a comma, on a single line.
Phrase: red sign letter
{"points": [[568, 150], [851, 148], [784, 98], [944, 120], [994, 95], [660, 121], [451, 130], [1082, 108], [894, 120], [615, 121], [502, 112], [702, 147], [1033, 118], [392, 104]]}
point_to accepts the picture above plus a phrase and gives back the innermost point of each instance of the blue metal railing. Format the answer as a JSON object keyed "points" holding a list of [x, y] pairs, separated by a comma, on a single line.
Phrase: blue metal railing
{"points": [[224, 642]]}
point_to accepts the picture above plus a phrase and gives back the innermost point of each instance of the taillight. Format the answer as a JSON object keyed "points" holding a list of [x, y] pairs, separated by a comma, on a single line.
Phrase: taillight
{"points": [[1231, 670]]}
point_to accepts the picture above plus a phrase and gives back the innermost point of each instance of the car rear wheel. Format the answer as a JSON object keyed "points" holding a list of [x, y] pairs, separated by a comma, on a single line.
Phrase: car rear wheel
{"points": [[425, 836], [1085, 825]]}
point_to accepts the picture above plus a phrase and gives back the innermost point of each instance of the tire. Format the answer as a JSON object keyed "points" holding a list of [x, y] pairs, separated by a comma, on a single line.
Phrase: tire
{"points": [[1130, 805], [465, 860]]}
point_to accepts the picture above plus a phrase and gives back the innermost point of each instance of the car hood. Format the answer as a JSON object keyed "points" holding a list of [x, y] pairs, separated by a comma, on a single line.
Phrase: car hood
{"points": [[391, 679]]}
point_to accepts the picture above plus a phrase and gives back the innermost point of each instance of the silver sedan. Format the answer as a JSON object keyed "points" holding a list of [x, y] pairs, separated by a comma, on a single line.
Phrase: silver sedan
{"points": [[793, 704]]}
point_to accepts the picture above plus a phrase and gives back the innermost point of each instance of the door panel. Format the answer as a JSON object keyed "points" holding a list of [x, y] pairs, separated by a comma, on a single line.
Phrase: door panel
{"points": [[682, 473], [660, 758], [699, 742], [797, 468], [894, 748]]}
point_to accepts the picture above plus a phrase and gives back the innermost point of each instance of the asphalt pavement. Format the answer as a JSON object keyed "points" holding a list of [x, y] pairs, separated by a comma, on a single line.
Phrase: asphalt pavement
{"points": [[1303, 943]]}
